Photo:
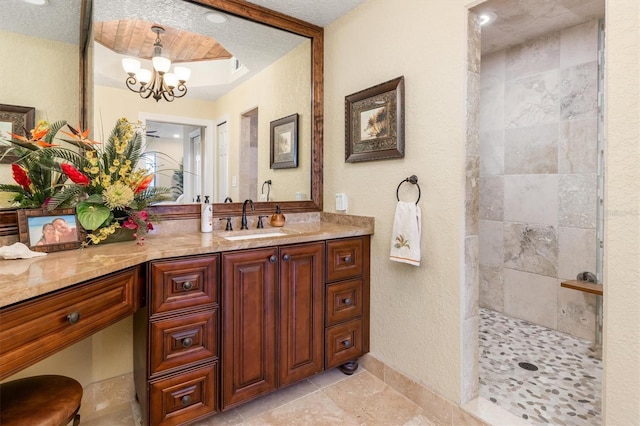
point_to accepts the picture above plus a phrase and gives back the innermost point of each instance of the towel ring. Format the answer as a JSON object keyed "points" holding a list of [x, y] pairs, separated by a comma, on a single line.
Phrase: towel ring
{"points": [[411, 179]]}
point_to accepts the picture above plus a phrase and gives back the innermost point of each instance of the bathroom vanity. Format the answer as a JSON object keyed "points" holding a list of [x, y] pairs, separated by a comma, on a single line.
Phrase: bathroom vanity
{"points": [[217, 322]]}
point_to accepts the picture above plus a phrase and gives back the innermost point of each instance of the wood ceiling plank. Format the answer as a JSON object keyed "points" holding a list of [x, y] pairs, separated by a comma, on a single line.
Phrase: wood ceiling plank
{"points": [[135, 38]]}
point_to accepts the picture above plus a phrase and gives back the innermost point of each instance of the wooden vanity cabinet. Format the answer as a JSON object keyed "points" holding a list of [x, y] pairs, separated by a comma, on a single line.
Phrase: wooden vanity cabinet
{"points": [[272, 323], [347, 302], [176, 341], [37, 328]]}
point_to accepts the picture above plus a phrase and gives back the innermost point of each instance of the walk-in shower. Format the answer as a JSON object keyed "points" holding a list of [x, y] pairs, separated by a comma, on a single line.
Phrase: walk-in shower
{"points": [[540, 221]]}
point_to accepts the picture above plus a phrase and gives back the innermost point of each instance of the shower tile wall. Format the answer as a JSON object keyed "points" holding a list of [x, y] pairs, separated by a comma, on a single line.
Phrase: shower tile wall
{"points": [[538, 165]]}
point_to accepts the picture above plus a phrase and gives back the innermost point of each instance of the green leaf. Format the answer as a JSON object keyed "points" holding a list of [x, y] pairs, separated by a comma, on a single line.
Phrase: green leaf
{"points": [[91, 216], [95, 199]]}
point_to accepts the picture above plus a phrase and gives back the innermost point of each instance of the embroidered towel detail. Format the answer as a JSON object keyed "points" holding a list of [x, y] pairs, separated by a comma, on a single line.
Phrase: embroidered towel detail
{"points": [[405, 238]]}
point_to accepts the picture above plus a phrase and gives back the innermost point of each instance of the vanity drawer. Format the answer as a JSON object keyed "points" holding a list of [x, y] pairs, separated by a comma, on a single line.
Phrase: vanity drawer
{"points": [[182, 340], [185, 397], [344, 259], [33, 330], [344, 301], [343, 343], [183, 283]]}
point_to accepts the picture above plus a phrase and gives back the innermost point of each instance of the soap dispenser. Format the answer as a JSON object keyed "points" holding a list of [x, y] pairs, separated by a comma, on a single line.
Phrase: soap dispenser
{"points": [[278, 218], [206, 216]]}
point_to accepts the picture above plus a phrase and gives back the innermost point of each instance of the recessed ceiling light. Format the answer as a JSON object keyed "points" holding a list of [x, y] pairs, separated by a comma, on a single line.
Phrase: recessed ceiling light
{"points": [[37, 2], [487, 18], [176, 136], [215, 17]]}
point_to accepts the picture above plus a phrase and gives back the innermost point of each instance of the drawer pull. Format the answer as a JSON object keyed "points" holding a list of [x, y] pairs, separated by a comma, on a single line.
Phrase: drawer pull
{"points": [[73, 317], [273, 259], [188, 285], [286, 257], [347, 259], [347, 301], [186, 342], [186, 400], [347, 343]]}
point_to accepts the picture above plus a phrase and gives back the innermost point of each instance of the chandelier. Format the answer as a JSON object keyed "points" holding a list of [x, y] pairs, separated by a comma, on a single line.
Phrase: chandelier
{"points": [[158, 83]]}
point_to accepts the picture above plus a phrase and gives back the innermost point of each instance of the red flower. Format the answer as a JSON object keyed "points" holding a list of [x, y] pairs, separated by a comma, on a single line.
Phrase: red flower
{"points": [[144, 183], [74, 174], [130, 223], [21, 177]]}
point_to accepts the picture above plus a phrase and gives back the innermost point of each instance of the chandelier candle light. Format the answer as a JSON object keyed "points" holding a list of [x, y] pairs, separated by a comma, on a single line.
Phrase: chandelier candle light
{"points": [[158, 83]]}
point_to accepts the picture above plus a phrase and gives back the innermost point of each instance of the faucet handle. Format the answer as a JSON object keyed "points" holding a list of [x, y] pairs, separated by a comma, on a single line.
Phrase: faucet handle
{"points": [[228, 227], [260, 225]]}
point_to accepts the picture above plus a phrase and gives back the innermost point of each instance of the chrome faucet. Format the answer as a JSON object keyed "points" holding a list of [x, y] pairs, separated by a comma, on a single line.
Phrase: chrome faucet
{"points": [[244, 213]]}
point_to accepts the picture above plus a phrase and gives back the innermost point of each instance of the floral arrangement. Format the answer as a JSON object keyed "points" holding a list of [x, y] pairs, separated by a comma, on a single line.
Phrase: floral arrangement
{"points": [[106, 188], [35, 172]]}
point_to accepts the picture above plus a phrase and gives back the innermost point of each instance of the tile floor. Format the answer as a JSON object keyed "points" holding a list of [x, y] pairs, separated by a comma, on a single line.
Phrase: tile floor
{"points": [[330, 398], [565, 390]]}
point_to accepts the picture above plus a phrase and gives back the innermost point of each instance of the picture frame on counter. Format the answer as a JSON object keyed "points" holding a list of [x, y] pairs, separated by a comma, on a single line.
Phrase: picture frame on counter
{"points": [[374, 122], [50, 230]]}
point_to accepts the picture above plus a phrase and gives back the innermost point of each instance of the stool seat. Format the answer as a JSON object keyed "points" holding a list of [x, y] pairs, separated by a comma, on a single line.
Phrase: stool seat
{"points": [[40, 400]]}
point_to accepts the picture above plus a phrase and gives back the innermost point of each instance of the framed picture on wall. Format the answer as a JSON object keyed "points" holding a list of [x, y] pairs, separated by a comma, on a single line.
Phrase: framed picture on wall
{"points": [[284, 142], [50, 230], [374, 122], [14, 119]]}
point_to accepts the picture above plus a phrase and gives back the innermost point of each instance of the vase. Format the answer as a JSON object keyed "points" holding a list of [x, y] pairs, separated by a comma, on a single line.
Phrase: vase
{"points": [[120, 235]]}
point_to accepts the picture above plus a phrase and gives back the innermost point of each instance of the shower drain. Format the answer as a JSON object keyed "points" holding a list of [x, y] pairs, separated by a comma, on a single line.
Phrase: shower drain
{"points": [[528, 366]]}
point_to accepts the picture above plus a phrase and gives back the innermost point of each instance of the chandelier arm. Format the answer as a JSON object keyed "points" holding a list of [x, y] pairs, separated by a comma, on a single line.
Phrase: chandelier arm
{"points": [[181, 90], [131, 83], [168, 95], [145, 92]]}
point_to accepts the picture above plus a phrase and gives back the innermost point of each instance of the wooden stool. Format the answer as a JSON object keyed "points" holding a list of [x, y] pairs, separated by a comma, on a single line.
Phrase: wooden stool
{"points": [[40, 400]]}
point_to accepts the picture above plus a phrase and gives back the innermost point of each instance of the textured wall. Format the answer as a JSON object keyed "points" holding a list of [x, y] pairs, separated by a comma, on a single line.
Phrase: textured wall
{"points": [[622, 204], [415, 311], [538, 166], [51, 70]]}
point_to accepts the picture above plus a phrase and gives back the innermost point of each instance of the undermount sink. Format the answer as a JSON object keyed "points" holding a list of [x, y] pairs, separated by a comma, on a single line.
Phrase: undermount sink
{"points": [[255, 235]]}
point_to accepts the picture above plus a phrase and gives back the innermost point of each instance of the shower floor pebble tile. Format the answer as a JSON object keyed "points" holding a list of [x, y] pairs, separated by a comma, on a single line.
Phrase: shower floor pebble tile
{"points": [[565, 390]]}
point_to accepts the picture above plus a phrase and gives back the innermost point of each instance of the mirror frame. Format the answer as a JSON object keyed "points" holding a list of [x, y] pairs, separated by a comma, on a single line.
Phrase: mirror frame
{"points": [[259, 14]]}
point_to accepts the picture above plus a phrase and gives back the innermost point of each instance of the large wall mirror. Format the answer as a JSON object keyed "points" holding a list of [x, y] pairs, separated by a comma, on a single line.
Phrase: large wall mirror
{"points": [[269, 67]]}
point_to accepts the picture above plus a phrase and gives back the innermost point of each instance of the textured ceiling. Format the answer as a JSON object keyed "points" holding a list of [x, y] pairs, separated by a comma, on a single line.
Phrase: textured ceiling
{"points": [[521, 20], [318, 12], [60, 19], [257, 45]]}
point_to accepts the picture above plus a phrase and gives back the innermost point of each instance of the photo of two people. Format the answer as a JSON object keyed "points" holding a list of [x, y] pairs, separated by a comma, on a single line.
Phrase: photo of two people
{"points": [[47, 230]]}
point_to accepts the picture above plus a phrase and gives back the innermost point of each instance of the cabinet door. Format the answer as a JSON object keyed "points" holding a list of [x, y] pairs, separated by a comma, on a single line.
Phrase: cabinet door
{"points": [[300, 314], [248, 324]]}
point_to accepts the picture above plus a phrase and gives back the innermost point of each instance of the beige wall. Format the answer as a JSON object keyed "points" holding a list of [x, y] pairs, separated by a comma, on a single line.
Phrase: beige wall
{"points": [[415, 311], [622, 221], [277, 92], [52, 70]]}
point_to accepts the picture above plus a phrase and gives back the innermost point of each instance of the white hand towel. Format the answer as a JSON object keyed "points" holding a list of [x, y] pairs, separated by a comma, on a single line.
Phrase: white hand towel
{"points": [[405, 238], [18, 251]]}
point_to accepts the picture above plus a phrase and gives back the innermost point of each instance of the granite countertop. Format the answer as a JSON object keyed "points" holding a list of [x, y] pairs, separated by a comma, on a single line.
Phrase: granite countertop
{"points": [[23, 279]]}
